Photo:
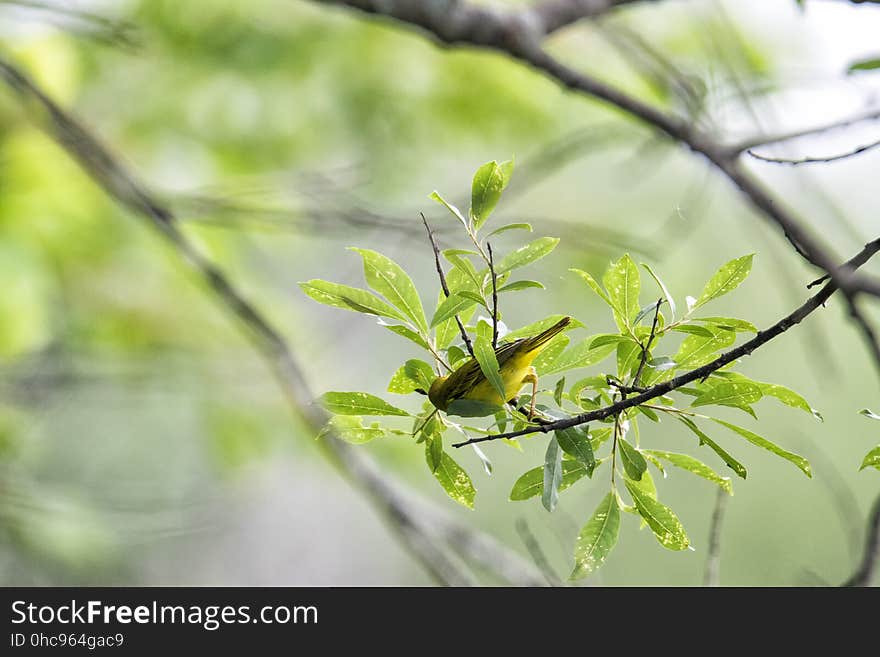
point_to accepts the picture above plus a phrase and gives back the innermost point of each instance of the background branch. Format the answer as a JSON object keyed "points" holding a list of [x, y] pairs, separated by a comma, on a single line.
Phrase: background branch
{"points": [[865, 572], [422, 537]]}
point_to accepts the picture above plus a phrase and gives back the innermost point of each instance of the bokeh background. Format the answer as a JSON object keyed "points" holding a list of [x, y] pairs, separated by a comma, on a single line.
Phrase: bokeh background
{"points": [[142, 441]]}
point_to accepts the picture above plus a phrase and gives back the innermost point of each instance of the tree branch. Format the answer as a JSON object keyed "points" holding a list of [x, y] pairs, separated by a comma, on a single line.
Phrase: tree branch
{"points": [[865, 572], [494, 296], [815, 160], [464, 335], [745, 349], [422, 537], [712, 573]]}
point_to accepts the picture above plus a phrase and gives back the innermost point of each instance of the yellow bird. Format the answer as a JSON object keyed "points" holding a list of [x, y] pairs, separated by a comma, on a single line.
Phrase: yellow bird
{"points": [[514, 363]]}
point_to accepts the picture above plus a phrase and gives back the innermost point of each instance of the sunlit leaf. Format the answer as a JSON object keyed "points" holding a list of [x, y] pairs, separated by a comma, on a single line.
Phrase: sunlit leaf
{"points": [[729, 323], [544, 363], [531, 484], [520, 285], [608, 338], [755, 439], [578, 355], [726, 279], [597, 538], [872, 459], [388, 279], [689, 463], [869, 413], [349, 298], [411, 375], [552, 474], [622, 283], [663, 289], [634, 463], [539, 326], [351, 429], [589, 280], [558, 391], [663, 522], [870, 64], [454, 210], [731, 462], [575, 442], [506, 227], [489, 181], [407, 333], [357, 403], [527, 254], [454, 480], [453, 305], [696, 350], [471, 408], [693, 330], [739, 394]]}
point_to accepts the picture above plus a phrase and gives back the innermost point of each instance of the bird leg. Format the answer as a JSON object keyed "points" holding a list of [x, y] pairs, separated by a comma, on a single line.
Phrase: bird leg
{"points": [[532, 377]]}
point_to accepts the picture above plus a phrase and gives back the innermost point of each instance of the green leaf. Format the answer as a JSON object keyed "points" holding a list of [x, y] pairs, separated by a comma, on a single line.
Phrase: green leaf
{"points": [[455, 354], [450, 307], [531, 483], [869, 414], [505, 228], [454, 480], [870, 64], [464, 267], [544, 363], [783, 394], [693, 330], [388, 279], [872, 459], [608, 338], [475, 297], [629, 355], [552, 474], [434, 451], [357, 403], [539, 326], [689, 463], [349, 298], [696, 350], [407, 333], [729, 323], [755, 439], [597, 538], [520, 285], [739, 394], [454, 210], [663, 289], [575, 442], [485, 355], [579, 355], [527, 254], [622, 283], [351, 429], [413, 374], [663, 522], [489, 181], [634, 463], [594, 286], [558, 391], [726, 279], [471, 408], [731, 462]]}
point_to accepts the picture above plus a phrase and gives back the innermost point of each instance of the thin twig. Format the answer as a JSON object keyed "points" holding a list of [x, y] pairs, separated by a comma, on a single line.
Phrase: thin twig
{"points": [[461, 329], [646, 347], [494, 296], [712, 574], [745, 349], [865, 572], [815, 160]]}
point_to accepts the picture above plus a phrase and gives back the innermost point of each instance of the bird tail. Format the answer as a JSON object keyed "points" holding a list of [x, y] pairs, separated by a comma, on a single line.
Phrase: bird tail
{"points": [[539, 341]]}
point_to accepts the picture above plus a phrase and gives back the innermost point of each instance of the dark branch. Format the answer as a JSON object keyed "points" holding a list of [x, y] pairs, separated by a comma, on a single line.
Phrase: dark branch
{"points": [[660, 389], [814, 160], [461, 329], [865, 572], [711, 576], [494, 296]]}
